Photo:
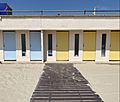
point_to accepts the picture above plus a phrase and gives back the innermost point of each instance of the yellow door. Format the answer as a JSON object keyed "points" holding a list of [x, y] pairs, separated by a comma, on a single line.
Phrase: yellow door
{"points": [[62, 46], [115, 46], [89, 45]]}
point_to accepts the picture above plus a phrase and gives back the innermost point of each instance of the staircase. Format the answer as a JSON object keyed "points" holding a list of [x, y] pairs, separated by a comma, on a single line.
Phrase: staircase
{"points": [[63, 83]]}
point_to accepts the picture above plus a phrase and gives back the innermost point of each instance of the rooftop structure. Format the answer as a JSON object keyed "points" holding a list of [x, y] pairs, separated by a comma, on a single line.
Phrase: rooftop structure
{"points": [[4, 8]]}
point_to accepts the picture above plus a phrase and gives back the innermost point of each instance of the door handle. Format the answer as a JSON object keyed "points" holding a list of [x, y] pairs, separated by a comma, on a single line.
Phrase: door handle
{"points": [[56, 45]]}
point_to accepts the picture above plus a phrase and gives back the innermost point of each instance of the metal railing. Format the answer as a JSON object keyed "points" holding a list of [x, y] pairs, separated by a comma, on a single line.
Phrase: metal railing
{"points": [[61, 12]]}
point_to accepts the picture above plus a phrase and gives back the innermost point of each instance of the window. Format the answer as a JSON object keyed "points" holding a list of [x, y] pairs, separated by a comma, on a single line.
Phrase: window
{"points": [[49, 44], [23, 41], [76, 49], [103, 47]]}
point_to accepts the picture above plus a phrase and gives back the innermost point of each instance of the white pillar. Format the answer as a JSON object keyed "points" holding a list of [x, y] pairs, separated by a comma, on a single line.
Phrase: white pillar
{"points": [[72, 46], [18, 46], [53, 57], [27, 46], [21, 58], [99, 58], [42, 47], [1, 47]]}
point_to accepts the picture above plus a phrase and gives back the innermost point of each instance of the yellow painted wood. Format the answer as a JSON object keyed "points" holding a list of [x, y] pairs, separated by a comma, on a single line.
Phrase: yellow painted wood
{"points": [[62, 46], [89, 45], [115, 46]]}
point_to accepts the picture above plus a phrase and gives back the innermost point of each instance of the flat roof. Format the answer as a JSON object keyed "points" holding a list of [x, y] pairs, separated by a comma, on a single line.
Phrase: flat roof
{"points": [[32, 16], [63, 13]]}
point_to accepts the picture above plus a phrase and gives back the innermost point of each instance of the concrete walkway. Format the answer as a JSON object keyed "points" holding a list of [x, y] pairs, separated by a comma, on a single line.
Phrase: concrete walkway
{"points": [[18, 81], [104, 79], [63, 83]]}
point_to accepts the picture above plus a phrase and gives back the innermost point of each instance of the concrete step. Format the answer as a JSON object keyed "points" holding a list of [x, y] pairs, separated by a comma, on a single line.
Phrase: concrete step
{"points": [[66, 95], [65, 101], [64, 92], [63, 89], [67, 98]]}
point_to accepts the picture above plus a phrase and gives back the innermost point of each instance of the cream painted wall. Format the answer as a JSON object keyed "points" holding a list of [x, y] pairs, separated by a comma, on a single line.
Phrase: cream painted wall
{"points": [[1, 47], [60, 23], [53, 57], [21, 58], [72, 43], [99, 58]]}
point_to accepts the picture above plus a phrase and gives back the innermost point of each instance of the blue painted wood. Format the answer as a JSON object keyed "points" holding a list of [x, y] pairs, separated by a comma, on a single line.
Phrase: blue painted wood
{"points": [[35, 46], [9, 45]]}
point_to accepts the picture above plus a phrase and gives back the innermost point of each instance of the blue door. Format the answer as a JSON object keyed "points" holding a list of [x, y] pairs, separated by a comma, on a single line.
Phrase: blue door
{"points": [[9, 45], [35, 46]]}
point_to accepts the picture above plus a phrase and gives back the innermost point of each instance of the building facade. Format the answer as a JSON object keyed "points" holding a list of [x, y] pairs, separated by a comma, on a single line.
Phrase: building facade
{"points": [[60, 38]]}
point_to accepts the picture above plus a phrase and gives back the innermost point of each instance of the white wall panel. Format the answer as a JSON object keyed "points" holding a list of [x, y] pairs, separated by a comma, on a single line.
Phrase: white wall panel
{"points": [[99, 58], [72, 46], [60, 23]]}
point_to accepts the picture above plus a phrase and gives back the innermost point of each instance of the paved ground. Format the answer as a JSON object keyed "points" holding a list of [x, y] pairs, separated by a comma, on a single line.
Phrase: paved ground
{"points": [[104, 79], [18, 81]]}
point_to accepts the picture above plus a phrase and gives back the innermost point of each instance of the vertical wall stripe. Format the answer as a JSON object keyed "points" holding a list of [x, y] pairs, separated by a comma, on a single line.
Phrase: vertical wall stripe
{"points": [[1, 46], [18, 46], [42, 46]]}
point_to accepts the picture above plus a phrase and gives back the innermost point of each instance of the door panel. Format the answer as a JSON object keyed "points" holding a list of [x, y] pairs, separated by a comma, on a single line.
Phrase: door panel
{"points": [[89, 47], [9, 45], [115, 46], [62, 46], [35, 46]]}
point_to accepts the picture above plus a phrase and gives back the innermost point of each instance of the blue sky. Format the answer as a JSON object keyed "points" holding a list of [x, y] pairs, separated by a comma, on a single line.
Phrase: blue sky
{"points": [[62, 4]]}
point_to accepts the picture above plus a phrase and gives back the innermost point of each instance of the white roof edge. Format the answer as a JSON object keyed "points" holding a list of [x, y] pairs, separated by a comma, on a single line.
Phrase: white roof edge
{"points": [[14, 16]]}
